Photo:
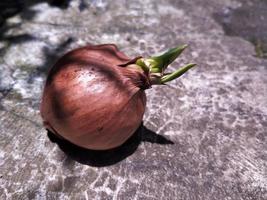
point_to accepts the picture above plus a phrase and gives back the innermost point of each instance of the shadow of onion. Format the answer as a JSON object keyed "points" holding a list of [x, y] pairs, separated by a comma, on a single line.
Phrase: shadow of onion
{"points": [[101, 158]]}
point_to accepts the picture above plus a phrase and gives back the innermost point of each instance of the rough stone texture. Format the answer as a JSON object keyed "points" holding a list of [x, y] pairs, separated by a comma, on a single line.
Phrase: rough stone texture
{"points": [[215, 115], [247, 21]]}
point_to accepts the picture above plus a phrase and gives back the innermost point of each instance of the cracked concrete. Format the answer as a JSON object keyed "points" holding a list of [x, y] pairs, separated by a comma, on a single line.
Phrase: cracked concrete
{"points": [[215, 115]]}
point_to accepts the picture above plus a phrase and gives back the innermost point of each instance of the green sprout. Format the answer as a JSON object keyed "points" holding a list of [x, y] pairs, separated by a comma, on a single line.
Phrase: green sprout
{"points": [[157, 65]]}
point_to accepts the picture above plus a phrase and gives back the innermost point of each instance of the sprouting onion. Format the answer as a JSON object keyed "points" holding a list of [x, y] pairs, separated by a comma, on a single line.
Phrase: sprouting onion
{"points": [[95, 96]]}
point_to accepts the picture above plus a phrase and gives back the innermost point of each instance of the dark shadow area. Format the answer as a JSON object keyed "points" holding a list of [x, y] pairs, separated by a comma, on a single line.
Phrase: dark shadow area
{"points": [[51, 56], [101, 158], [10, 35], [10, 8], [248, 22], [83, 5]]}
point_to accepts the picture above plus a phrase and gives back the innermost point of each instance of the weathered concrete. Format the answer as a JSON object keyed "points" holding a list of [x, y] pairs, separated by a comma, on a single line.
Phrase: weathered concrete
{"points": [[215, 115]]}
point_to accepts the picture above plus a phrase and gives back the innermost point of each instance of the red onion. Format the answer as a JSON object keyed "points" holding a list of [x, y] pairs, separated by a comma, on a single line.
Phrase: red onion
{"points": [[95, 96]]}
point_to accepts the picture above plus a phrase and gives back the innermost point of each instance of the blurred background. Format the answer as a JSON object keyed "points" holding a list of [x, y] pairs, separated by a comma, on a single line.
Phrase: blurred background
{"points": [[216, 115]]}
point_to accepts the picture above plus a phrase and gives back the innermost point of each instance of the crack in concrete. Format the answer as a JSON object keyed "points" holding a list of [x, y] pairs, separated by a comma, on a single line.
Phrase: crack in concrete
{"points": [[23, 118]]}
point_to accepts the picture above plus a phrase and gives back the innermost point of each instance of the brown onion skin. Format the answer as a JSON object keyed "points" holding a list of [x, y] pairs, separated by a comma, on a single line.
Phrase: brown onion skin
{"points": [[93, 98]]}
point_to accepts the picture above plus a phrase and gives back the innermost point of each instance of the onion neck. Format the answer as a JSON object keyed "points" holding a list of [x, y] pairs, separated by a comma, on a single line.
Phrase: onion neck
{"points": [[154, 67]]}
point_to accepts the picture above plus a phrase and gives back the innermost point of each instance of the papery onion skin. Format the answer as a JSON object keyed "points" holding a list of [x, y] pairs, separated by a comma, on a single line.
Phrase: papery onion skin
{"points": [[93, 99]]}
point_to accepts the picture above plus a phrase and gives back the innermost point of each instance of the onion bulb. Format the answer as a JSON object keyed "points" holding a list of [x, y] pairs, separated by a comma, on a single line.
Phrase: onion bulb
{"points": [[94, 96]]}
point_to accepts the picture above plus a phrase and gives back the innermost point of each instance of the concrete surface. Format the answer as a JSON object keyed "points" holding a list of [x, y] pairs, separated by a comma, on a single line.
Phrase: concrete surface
{"points": [[216, 115]]}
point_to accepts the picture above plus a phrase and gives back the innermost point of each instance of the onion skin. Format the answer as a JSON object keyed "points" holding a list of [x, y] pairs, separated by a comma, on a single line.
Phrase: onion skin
{"points": [[94, 97]]}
